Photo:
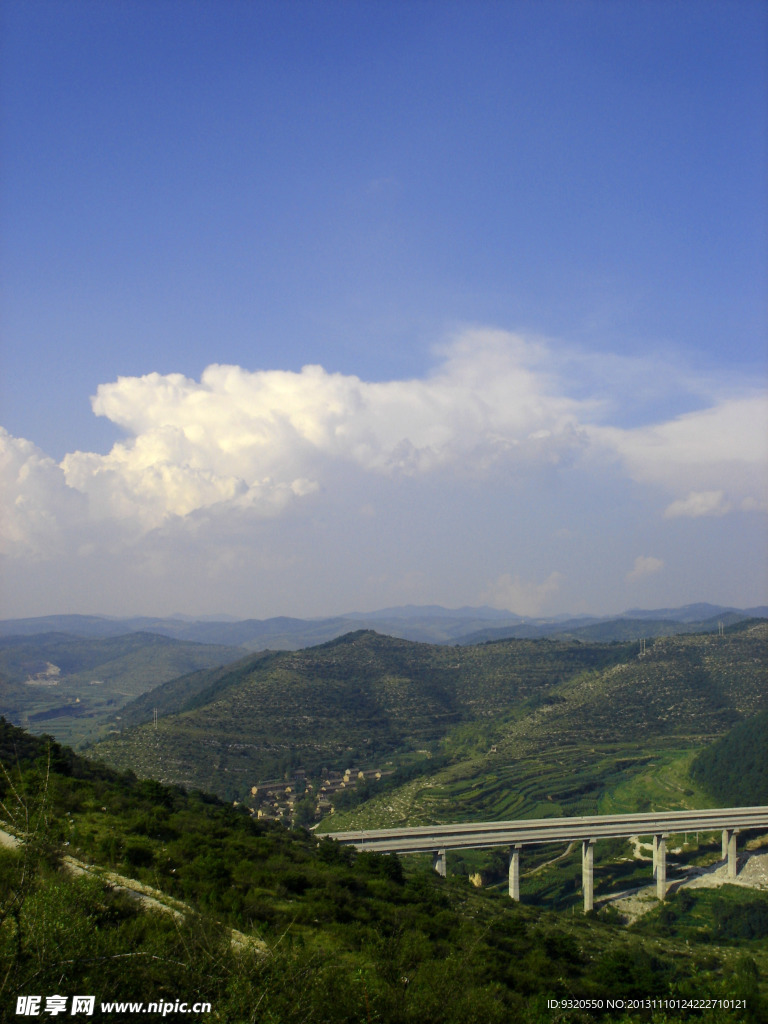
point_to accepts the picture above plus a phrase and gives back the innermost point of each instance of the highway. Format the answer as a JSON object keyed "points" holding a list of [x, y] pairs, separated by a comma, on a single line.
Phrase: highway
{"points": [[482, 835]]}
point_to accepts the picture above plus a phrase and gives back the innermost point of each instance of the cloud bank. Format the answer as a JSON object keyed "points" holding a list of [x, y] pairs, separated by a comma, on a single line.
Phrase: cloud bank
{"points": [[260, 439], [208, 457], [714, 458]]}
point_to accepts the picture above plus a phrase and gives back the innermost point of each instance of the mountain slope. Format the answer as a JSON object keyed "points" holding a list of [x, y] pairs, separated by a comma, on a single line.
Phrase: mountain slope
{"points": [[567, 751], [365, 700], [296, 929], [735, 768], [361, 698]]}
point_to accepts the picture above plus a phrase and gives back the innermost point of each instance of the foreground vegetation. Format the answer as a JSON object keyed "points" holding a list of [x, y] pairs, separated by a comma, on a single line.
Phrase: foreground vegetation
{"points": [[320, 934]]}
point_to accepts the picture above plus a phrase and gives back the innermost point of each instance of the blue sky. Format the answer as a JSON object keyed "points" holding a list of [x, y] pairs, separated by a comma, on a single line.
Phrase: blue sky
{"points": [[525, 242]]}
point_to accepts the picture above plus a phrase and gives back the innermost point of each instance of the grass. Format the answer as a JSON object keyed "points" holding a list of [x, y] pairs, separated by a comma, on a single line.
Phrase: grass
{"points": [[560, 781], [663, 782]]}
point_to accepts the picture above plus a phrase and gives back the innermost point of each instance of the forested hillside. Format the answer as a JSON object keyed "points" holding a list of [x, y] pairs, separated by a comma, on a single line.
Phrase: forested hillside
{"points": [[256, 919], [735, 768], [361, 699], [515, 727], [609, 740]]}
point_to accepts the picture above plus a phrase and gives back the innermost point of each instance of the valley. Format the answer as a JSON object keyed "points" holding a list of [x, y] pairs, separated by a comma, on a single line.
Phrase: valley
{"points": [[199, 808], [516, 728], [72, 685]]}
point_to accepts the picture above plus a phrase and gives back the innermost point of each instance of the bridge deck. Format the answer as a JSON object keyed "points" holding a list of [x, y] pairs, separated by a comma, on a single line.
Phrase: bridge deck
{"points": [[480, 835]]}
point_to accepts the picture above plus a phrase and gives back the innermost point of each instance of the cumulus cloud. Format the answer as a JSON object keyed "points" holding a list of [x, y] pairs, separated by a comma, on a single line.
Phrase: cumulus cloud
{"points": [[645, 565], [262, 438], [37, 505], [241, 445]]}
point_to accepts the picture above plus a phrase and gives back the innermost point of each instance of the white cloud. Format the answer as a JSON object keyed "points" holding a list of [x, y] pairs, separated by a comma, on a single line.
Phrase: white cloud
{"points": [[239, 446], [723, 448], [645, 565], [523, 597], [751, 504], [699, 503], [37, 504], [262, 438]]}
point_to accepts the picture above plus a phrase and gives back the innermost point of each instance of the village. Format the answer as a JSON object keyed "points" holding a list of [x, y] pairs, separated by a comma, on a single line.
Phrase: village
{"points": [[302, 801]]}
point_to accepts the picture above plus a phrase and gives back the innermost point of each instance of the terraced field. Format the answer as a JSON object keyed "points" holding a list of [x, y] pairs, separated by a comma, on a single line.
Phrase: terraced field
{"points": [[620, 739], [520, 728]]}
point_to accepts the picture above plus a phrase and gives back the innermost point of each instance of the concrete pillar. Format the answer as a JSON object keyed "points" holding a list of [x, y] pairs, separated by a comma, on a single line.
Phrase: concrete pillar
{"points": [[439, 862], [514, 871], [660, 845], [733, 860], [587, 873], [655, 853], [726, 839]]}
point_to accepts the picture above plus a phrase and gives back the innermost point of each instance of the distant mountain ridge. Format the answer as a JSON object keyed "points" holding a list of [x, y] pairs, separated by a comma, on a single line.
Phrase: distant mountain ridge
{"points": [[695, 612], [422, 623], [408, 611]]}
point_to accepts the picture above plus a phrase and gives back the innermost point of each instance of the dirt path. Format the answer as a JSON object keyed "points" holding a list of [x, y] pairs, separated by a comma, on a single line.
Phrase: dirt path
{"points": [[638, 847], [148, 897], [7, 840], [549, 863]]}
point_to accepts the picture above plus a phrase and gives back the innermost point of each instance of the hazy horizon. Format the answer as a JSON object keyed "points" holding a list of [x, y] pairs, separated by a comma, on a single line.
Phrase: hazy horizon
{"points": [[482, 613]]}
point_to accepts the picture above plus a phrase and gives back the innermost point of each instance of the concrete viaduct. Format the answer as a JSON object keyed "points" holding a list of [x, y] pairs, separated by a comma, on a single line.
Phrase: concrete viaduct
{"points": [[438, 839]]}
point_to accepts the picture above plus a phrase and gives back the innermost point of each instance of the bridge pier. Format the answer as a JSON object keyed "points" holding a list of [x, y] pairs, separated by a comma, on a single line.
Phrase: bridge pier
{"points": [[660, 864], [729, 850], [588, 873], [440, 862], [512, 835], [514, 871]]}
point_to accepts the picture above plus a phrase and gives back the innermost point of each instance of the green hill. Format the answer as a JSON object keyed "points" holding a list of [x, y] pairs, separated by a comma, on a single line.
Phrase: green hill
{"points": [[615, 739], [267, 924], [363, 698], [512, 727]]}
